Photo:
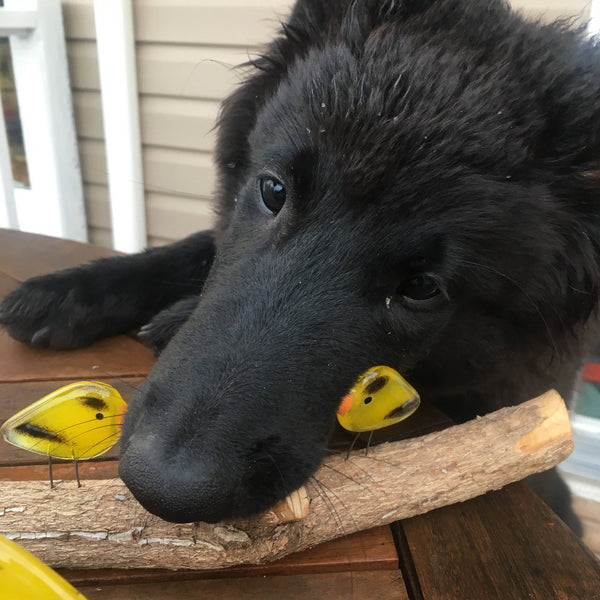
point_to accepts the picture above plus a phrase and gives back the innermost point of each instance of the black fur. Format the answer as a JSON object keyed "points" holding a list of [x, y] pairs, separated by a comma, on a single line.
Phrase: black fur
{"points": [[447, 138]]}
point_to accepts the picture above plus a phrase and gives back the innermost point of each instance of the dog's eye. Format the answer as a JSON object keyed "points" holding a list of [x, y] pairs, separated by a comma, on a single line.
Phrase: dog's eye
{"points": [[421, 287], [273, 194]]}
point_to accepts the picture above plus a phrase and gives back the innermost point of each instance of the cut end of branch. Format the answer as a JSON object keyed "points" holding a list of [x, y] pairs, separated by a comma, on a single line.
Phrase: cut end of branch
{"points": [[554, 424]]}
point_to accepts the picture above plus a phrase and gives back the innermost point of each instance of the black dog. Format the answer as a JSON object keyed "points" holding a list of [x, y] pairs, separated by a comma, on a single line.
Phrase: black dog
{"points": [[405, 182]]}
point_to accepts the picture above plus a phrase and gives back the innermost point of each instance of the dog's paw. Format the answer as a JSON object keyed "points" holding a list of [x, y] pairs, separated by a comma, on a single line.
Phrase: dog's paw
{"points": [[158, 332], [156, 336], [50, 311]]}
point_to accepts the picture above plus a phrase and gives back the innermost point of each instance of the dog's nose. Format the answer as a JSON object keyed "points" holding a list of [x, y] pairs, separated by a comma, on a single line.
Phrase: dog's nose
{"points": [[177, 488]]}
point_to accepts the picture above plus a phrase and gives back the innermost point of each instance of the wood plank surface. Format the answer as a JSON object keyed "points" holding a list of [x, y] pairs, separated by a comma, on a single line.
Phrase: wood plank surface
{"points": [[104, 467], [376, 585], [13, 456], [7, 284], [24, 255], [120, 356], [504, 545]]}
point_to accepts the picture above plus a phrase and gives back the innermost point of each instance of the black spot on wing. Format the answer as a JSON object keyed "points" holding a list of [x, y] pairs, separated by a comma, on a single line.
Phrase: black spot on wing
{"points": [[39, 433], [94, 403], [377, 384], [403, 409]]}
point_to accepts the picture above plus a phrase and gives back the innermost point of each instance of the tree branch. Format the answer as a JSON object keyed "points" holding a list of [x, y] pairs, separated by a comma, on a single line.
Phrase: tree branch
{"points": [[101, 525]]}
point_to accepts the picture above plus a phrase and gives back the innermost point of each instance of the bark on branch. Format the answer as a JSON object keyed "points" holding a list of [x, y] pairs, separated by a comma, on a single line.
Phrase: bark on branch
{"points": [[101, 525]]}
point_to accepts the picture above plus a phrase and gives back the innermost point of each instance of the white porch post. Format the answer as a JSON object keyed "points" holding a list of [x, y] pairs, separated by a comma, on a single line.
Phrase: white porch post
{"points": [[118, 82]]}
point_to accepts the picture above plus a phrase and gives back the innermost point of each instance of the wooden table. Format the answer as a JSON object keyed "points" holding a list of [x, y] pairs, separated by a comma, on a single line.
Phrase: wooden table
{"points": [[506, 545]]}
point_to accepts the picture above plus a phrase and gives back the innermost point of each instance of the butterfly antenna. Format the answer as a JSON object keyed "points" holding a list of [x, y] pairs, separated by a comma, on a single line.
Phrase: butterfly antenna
{"points": [[77, 472], [369, 442], [50, 471]]}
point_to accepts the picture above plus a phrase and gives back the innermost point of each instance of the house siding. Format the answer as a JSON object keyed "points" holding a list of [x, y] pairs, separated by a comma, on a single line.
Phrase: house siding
{"points": [[186, 51]]}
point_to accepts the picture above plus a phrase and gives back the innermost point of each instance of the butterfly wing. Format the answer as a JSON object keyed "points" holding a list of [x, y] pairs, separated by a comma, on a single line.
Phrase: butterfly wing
{"points": [[81, 420], [381, 397]]}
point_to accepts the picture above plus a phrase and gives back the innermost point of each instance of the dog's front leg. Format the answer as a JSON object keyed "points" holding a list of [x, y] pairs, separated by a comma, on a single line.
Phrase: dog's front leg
{"points": [[74, 307]]}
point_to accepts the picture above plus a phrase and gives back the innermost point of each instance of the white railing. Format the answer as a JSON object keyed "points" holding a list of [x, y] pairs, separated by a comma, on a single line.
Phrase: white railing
{"points": [[53, 204]]}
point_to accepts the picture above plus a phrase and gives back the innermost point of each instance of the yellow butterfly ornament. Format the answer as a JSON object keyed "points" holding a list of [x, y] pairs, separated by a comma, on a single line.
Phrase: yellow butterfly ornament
{"points": [[381, 397], [78, 421]]}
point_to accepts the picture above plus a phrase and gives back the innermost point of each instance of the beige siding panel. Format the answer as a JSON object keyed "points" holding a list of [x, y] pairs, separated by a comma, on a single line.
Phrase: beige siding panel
{"points": [[174, 217], [178, 172], [88, 114], [78, 17], [100, 237], [216, 22], [178, 122], [189, 71], [169, 122], [550, 10], [82, 56], [168, 171], [97, 205], [179, 71], [93, 161], [168, 217]]}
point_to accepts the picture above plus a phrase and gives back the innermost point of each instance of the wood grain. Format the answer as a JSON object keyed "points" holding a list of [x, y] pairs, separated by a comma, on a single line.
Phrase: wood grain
{"points": [[24, 255], [102, 468], [120, 356], [102, 524], [7, 284], [508, 543], [378, 585]]}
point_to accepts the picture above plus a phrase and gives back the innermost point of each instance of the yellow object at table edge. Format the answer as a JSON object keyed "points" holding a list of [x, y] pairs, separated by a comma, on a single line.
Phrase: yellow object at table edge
{"points": [[23, 576]]}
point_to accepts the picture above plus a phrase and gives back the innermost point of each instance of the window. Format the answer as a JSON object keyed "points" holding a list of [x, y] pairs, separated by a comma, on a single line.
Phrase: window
{"points": [[11, 116]]}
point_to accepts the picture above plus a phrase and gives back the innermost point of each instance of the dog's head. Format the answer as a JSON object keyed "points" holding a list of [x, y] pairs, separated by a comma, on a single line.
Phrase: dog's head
{"points": [[415, 188]]}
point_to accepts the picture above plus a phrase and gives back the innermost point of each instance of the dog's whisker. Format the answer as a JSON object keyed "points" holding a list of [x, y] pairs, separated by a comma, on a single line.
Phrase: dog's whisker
{"points": [[323, 492], [367, 474], [121, 380]]}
